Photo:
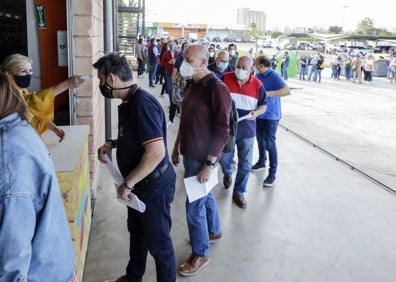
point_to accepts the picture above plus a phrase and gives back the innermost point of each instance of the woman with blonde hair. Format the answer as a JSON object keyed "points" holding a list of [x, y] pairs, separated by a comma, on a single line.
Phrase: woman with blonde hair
{"points": [[41, 103], [35, 241]]}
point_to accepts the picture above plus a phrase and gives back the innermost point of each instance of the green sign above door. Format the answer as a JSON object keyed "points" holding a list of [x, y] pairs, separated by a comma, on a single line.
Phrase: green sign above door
{"points": [[40, 16]]}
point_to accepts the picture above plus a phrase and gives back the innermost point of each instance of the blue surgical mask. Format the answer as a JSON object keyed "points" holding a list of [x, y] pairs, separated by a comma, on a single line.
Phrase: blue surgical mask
{"points": [[241, 74], [222, 65]]}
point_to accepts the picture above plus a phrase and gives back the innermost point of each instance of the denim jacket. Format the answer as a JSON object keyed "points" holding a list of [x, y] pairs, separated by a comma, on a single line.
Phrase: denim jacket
{"points": [[35, 241]]}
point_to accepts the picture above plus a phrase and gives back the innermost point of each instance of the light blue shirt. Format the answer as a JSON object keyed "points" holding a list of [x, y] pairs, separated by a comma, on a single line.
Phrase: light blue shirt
{"points": [[35, 241]]}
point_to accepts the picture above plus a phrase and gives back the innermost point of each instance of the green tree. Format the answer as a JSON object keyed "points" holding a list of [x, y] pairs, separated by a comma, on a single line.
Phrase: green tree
{"points": [[365, 26], [335, 29], [275, 34], [255, 33]]}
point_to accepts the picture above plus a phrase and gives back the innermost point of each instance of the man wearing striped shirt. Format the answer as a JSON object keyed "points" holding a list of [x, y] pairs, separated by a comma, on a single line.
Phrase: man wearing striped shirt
{"points": [[249, 96]]}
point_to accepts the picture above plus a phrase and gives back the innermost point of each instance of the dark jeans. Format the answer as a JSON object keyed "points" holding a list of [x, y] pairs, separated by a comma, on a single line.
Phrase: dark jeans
{"points": [[266, 140], [159, 75], [150, 230], [140, 69], [173, 106]]}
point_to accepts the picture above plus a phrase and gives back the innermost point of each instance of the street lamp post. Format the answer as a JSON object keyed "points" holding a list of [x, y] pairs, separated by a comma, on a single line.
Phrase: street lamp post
{"points": [[345, 7]]}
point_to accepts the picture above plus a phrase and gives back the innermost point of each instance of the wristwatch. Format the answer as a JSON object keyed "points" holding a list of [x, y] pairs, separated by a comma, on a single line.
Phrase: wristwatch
{"points": [[209, 163]]}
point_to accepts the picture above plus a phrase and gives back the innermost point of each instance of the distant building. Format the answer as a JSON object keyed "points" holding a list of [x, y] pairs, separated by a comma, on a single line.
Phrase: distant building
{"points": [[186, 30], [246, 17]]}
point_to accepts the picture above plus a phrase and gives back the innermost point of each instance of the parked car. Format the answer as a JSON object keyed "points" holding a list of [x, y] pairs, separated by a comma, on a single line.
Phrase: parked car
{"points": [[289, 46], [303, 45], [359, 49], [216, 39], [316, 47], [266, 44], [203, 40], [384, 49]]}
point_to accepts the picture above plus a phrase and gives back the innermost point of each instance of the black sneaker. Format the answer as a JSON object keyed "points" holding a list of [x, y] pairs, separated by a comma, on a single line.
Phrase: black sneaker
{"points": [[269, 181], [258, 167]]}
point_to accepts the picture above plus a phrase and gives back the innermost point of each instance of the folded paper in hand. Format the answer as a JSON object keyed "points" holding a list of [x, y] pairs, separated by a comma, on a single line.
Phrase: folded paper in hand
{"points": [[118, 180], [196, 190], [249, 115]]}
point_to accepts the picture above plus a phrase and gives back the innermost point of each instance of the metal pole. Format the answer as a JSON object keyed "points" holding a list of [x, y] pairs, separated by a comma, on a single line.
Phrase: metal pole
{"points": [[72, 101], [144, 17], [107, 50]]}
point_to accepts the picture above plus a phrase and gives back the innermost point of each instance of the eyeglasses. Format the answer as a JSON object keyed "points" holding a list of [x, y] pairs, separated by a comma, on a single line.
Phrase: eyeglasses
{"points": [[224, 61]]}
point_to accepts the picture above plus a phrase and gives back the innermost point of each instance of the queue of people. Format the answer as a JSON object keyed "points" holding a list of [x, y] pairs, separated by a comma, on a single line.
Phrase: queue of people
{"points": [[202, 134], [146, 165]]}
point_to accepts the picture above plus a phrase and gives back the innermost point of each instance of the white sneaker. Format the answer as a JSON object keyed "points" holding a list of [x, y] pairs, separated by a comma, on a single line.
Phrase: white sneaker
{"points": [[170, 124]]}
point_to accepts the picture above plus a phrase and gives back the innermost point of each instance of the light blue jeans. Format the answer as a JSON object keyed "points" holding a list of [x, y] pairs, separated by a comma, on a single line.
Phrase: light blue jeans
{"points": [[202, 215], [245, 155], [317, 75]]}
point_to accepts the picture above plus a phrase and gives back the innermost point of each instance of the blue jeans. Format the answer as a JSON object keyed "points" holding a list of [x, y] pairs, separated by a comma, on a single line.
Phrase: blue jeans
{"points": [[348, 73], [152, 71], [266, 140], [284, 71], [245, 155], [311, 70], [202, 215], [317, 75], [150, 231], [302, 73], [334, 70]]}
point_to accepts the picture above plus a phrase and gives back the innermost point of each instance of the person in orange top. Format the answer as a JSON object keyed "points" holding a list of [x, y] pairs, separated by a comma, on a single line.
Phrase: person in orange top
{"points": [[41, 103]]}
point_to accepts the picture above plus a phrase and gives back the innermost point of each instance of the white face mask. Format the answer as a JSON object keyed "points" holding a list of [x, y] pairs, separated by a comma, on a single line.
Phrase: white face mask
{"points": [[211, 54], [232, 53], [187, 70], [241, 74]]}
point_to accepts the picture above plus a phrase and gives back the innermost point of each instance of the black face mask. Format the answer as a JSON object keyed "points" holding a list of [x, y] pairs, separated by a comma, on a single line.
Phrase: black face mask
{"points": [[22, 81], [107, 90]]}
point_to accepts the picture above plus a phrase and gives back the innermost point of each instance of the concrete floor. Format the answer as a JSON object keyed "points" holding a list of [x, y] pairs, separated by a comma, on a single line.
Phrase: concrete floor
{"points": [[322, 221]]}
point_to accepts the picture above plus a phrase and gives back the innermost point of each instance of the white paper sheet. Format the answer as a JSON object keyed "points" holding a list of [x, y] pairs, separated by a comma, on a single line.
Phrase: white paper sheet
{"points": [[249, 115], [196, 190], [118, 180]]}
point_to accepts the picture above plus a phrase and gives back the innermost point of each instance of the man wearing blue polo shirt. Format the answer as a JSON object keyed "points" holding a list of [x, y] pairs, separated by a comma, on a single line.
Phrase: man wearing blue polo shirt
{"points": [[267, 123], [144, 163], [249, 96]]}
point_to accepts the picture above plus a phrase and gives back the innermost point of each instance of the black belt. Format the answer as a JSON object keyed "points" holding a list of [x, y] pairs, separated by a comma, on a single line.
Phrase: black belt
{"points": [[157, 173]]}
